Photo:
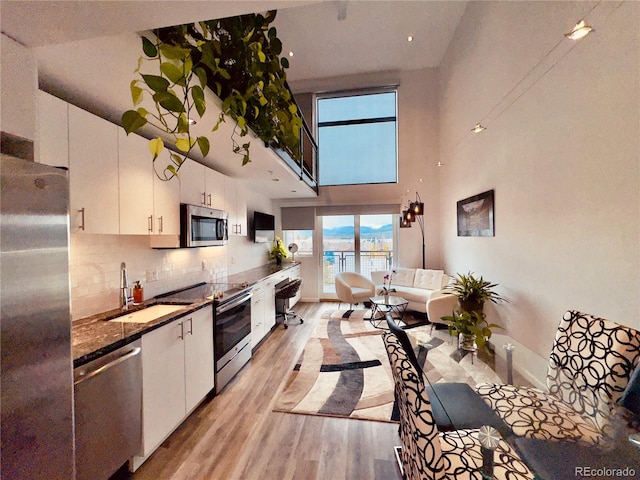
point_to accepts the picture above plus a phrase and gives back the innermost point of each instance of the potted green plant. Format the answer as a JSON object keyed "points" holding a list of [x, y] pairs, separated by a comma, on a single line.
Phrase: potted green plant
{"points": [[239, 59], [471, 328], [278, 252], [472, 292]]}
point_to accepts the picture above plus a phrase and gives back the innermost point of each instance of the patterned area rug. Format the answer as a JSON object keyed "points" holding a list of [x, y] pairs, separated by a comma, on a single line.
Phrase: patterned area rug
{"points": [[344, 370]]}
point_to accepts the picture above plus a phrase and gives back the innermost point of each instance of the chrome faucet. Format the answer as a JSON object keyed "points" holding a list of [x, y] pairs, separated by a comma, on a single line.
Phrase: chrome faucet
{"points": [[125, 290]]}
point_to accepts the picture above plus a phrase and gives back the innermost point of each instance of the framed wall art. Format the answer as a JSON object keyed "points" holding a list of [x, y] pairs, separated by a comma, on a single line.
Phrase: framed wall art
{"points": [[475, 216]]}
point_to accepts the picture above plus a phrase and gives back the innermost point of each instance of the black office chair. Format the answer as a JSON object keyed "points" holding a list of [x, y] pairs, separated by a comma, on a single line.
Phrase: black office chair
{"points": [[288, 291]]}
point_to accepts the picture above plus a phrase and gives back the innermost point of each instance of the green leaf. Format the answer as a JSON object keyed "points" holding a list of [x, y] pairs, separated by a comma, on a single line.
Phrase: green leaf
{"points": [[261, 56], [245, 159], [201, 73], [242, 123], [132, 121], [187, 66], [183, 124], [272, 33], [173, 170], [155, 147], [248, 36], [284, 61], [184, 144], [276, 46], [149, 48], [156, 83], [203, 143], [136, 92], [263, 101], [174, 52], [177, 159], [169, 101], [173, 73], [197, 94], [220, 120], [293, 109]]}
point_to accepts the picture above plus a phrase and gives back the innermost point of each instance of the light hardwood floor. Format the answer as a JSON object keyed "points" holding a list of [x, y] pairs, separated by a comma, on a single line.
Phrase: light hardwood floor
{"points": [[236, 435]]}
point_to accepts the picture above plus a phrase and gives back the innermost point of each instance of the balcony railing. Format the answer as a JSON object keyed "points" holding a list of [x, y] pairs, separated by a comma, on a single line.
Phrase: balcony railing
{"points": [[334, 262]]}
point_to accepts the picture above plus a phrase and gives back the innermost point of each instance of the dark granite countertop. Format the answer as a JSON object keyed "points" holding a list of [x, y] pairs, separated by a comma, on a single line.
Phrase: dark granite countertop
{"points": [[95, 336]]}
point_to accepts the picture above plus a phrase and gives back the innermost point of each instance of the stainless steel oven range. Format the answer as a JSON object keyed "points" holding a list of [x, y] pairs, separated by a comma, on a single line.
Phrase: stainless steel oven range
{"points": [[232, 335]]}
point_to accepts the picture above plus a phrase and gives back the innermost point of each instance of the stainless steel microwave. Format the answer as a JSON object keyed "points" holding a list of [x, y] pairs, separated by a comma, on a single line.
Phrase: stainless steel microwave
{"points": [[202, 226]]}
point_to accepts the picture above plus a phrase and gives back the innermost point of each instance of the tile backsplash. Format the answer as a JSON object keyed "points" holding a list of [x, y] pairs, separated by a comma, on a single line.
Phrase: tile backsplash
{"points": [[95, 269]]}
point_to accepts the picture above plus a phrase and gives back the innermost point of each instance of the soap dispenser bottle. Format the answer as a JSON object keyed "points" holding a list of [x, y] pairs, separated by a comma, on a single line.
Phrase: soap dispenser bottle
{"points": [[138, 296]]}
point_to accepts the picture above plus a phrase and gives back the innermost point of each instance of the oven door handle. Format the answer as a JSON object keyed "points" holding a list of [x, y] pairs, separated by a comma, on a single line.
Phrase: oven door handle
{"points": [[228, 306]]}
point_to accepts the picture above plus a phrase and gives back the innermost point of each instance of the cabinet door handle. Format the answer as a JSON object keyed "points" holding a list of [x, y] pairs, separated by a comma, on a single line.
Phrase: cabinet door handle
{"points": [[160, 225], [181, 336], [190, 326], [81, 227], [209, 200], [150, 223], [204, 194]]}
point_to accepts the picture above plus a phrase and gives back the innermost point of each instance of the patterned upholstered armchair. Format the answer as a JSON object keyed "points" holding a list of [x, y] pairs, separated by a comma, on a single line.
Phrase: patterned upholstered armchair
{"points": [[590, 365], [427, 453]]}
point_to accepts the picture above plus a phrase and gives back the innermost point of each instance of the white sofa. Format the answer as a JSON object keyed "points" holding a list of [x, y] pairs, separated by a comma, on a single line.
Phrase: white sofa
{"points": [[416, 285]]}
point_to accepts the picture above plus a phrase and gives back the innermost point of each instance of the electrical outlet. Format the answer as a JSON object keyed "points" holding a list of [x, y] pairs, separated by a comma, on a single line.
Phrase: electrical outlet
{"points": [[152, 275], [233, 259]]}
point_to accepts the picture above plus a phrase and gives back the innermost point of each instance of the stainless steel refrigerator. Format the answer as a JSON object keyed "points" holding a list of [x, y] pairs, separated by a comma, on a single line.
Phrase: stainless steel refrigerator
{"points": [[35, 323]]}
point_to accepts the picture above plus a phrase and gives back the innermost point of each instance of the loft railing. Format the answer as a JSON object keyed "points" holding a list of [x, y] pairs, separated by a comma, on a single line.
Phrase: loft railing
{"points": [[307, 166]]}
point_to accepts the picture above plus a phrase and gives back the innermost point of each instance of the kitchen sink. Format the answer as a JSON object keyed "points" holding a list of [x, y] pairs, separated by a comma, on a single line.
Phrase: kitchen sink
{"points": [[148, 314]]}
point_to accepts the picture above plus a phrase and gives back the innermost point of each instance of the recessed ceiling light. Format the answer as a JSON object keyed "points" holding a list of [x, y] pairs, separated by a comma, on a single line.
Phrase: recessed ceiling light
{"points": [[291, 53], [410, 38], [191, 121], [275, 179], [439, 164], [478, 128]]}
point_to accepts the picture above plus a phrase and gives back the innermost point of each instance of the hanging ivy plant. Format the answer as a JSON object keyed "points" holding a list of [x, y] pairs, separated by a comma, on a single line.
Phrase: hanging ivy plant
{"points": [[238, 58]]}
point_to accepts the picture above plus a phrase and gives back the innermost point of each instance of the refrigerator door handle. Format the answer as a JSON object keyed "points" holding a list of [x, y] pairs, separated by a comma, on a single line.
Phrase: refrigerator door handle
{"points": [[83, 376]]}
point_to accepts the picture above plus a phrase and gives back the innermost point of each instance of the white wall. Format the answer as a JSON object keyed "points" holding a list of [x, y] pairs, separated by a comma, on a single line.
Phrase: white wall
{"points": [[561, 151], [19, 83]]}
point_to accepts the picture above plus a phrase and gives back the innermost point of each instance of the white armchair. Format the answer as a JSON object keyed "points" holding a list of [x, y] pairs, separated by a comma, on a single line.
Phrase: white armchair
{"points": [[439, 305], [353, 288]]}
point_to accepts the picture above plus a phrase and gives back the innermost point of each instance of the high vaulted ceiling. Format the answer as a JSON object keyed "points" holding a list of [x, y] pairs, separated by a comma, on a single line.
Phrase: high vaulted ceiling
{"points": [[87, 50]]}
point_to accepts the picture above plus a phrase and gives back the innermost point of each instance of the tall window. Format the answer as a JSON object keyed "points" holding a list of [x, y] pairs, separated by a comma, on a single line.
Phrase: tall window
{"points": [[357, 138], [355, 243]]}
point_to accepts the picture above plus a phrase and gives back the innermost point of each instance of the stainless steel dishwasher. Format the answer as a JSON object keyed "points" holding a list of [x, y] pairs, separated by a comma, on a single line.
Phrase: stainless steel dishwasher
{"points": [[108, 412]]}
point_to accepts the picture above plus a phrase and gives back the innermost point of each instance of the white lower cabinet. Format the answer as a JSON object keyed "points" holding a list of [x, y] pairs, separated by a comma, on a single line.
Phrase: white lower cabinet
{"points": [[263, 310], [177, 373]]}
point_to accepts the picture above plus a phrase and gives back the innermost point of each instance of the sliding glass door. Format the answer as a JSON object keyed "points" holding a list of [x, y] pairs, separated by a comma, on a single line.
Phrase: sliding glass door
{"points": [[355, 243]]}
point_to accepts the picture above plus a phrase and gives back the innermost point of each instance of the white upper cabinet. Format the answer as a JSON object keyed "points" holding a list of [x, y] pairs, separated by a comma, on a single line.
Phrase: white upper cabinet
{"points": [[201, 185], [136, 184], [192, 183], [236, 205], [53, 130], [93, 173], [166, 201], [214, 182]]}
